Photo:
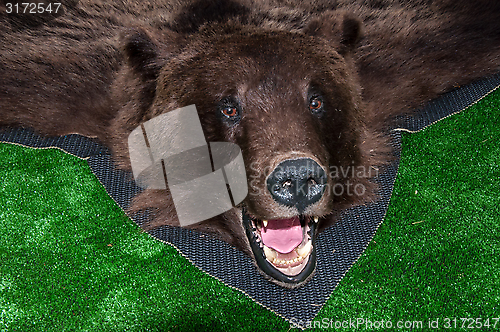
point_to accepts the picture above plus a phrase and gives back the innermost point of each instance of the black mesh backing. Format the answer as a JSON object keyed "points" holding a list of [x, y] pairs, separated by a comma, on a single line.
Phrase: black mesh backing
{"points": [[338, 247], [76, 145]]}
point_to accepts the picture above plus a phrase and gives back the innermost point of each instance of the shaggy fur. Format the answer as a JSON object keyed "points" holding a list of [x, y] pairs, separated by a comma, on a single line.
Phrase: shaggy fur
{"points": [[101, 69]]}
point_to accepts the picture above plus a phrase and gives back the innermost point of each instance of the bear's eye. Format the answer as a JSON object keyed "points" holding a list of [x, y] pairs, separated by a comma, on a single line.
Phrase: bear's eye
{"points": [[230, 112], [316, 105]]}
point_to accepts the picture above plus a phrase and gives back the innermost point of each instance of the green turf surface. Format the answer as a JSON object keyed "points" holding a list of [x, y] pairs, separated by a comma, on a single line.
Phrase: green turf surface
{"points": [[71, 260]]}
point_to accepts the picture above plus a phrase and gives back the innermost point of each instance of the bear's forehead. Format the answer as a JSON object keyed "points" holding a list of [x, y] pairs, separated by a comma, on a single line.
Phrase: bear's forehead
{"points": [[258, 57], [268, 47], [264, 47]]}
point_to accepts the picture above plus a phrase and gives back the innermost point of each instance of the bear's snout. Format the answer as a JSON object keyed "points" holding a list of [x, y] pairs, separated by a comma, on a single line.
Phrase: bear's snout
{"points": [[297, 182]]}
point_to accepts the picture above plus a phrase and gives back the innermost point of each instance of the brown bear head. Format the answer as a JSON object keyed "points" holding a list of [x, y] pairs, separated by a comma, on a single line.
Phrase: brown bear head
{"points": [[285, 91]]}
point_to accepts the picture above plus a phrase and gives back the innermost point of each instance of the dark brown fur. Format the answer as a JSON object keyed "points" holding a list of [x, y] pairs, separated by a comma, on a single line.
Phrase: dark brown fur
{"points": [[102, 69]]}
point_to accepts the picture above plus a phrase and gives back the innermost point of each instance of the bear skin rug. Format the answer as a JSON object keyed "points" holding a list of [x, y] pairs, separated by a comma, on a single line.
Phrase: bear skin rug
{"points": [[312, 85]]}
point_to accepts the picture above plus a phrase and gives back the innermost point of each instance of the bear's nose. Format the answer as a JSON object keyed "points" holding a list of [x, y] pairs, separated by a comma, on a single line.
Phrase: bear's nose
{"points": [[297, 182]]}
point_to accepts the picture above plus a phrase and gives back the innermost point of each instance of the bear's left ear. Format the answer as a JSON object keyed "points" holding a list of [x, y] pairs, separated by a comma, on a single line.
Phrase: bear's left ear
{"points": [[342, 29]]}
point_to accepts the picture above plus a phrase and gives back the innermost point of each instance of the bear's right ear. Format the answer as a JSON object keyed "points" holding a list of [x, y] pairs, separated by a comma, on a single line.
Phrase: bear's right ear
{"points": [[143, 54], [342, 29]]}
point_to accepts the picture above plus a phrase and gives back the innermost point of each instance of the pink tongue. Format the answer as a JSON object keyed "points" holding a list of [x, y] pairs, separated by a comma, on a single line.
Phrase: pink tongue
{"points": [[282, 235]]}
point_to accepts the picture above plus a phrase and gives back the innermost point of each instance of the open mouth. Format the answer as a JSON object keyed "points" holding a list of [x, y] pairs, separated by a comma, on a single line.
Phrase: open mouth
{"points": [[283, 248]]}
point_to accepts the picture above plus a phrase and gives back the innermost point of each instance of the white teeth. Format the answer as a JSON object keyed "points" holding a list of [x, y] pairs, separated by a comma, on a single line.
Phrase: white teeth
{"points": [[270, 253], [287, 262], [315, 219], [265, 223], [305, 250]]}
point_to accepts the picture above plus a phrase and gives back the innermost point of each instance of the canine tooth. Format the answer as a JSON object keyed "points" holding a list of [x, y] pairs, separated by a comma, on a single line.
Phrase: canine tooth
{"points": [[270, 253], [305, 250], [265, 223], [315, 219]]}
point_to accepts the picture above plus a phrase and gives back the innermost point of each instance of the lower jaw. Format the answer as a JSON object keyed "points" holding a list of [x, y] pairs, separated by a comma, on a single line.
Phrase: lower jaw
{"points": [[284, 276]]}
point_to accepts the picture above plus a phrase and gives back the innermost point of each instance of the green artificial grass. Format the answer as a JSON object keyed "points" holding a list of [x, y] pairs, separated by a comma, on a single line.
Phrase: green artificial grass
{"points": [[70, 260]]}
